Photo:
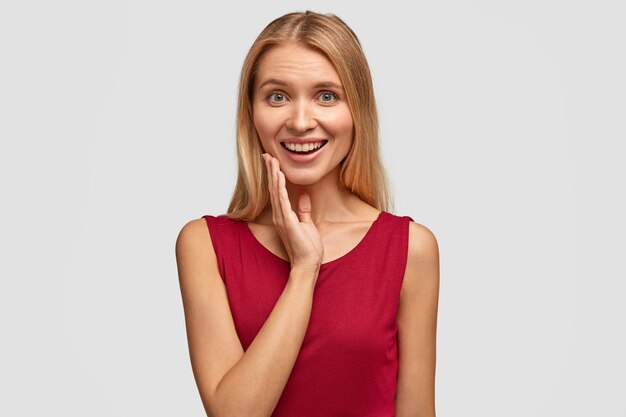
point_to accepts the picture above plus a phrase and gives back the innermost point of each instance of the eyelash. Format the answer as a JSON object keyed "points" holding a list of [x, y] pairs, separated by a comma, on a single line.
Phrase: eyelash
{"points": [[333, 94], [269, 96]]}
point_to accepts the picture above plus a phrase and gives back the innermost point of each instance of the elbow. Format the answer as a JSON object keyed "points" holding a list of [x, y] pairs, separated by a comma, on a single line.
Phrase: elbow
{"points": [[233, 405], [212, 411]]}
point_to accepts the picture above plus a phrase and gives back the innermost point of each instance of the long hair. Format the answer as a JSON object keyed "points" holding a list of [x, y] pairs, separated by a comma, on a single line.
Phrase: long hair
{"points": [[362, 170]]}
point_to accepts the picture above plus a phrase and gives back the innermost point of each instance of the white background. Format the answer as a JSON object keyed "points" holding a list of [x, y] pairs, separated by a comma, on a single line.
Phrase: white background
{"points": [[502, 129]]}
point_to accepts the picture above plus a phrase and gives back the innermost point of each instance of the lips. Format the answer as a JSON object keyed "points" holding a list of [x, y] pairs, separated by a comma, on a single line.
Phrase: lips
{"points": [[303, 148]]}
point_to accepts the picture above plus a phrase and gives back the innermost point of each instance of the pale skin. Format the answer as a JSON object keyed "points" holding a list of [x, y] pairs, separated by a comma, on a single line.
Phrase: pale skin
{"points": [[312, 219]]}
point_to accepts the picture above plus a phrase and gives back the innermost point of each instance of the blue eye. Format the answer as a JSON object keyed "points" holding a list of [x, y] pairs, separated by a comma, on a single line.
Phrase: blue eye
{"points": [[327, 97], [276, 97]]}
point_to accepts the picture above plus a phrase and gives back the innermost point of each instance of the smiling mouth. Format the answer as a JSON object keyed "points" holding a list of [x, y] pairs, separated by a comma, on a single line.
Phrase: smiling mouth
{"points": [[304, 148]]}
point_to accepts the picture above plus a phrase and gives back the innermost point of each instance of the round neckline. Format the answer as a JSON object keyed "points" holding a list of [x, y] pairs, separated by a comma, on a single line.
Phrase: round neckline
{"points": [[325, 264]]}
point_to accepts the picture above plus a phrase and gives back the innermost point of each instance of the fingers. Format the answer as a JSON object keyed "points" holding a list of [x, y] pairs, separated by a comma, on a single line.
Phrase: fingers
{"points": [[283, 198], [271, 186], [281, 206]]}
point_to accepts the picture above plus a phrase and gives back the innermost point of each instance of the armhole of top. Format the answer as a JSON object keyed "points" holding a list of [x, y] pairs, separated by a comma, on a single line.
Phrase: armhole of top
{"points": [[215, 238], [406, 239]]}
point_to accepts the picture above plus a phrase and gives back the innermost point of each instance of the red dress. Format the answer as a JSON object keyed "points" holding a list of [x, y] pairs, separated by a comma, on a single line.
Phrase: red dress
{"points": [[348, 363]]}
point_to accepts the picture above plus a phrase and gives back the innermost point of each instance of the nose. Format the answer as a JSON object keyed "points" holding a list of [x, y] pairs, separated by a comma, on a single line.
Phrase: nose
{"points": [[302, 118]]}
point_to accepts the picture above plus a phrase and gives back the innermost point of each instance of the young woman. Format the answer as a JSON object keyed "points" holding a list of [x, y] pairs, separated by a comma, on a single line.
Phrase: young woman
{"points": [[308, 298]]}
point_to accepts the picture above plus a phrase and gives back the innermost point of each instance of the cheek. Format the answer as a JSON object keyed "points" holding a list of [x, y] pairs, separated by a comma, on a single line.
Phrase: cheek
{"points": [[263, 124], [341, 123]]}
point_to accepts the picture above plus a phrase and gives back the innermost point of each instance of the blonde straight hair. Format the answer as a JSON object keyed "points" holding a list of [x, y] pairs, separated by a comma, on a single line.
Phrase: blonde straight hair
{"points": [[362, 170]]}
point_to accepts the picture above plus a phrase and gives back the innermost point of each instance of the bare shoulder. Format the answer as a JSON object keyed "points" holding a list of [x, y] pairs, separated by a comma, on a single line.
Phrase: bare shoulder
{"points": [[195, 255], [193, 235], [423, 245]]}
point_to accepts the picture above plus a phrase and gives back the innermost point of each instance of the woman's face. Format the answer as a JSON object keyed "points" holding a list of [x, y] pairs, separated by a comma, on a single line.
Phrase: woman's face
{"points": [[300, 113]]}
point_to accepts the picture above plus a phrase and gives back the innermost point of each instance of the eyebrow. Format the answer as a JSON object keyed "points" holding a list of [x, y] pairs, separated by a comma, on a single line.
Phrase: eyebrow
{"points": [[323, 84]]}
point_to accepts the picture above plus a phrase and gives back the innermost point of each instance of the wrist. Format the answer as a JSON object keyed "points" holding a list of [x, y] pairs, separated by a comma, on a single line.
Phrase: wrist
{"points": [[304, 271]]}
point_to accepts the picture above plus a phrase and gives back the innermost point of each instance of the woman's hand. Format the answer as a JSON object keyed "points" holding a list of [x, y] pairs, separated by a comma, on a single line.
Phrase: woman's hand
{"points": [[297, 231]]}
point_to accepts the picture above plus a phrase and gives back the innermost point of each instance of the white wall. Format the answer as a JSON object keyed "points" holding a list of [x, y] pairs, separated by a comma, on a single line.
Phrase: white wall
{"points": [[502, 128]]}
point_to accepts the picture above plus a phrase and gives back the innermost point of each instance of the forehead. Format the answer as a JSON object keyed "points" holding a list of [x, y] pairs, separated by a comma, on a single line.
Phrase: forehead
{"points": [[293, 63]]}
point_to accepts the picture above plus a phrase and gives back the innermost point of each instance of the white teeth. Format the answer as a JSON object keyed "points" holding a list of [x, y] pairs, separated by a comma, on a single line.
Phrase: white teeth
{"points": [[299, 147]]}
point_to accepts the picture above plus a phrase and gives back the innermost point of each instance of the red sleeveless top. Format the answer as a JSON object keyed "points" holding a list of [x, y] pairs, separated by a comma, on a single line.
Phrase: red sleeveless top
{"points": [[348, 362]]}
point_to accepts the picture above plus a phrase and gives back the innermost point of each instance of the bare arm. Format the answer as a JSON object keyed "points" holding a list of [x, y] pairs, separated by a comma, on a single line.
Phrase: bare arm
{"points": [[232, 382], [417, 326]]}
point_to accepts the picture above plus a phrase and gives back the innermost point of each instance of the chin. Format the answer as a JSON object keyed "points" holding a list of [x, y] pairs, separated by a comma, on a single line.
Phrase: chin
{"points": [[302, 180], [302, 177]]}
